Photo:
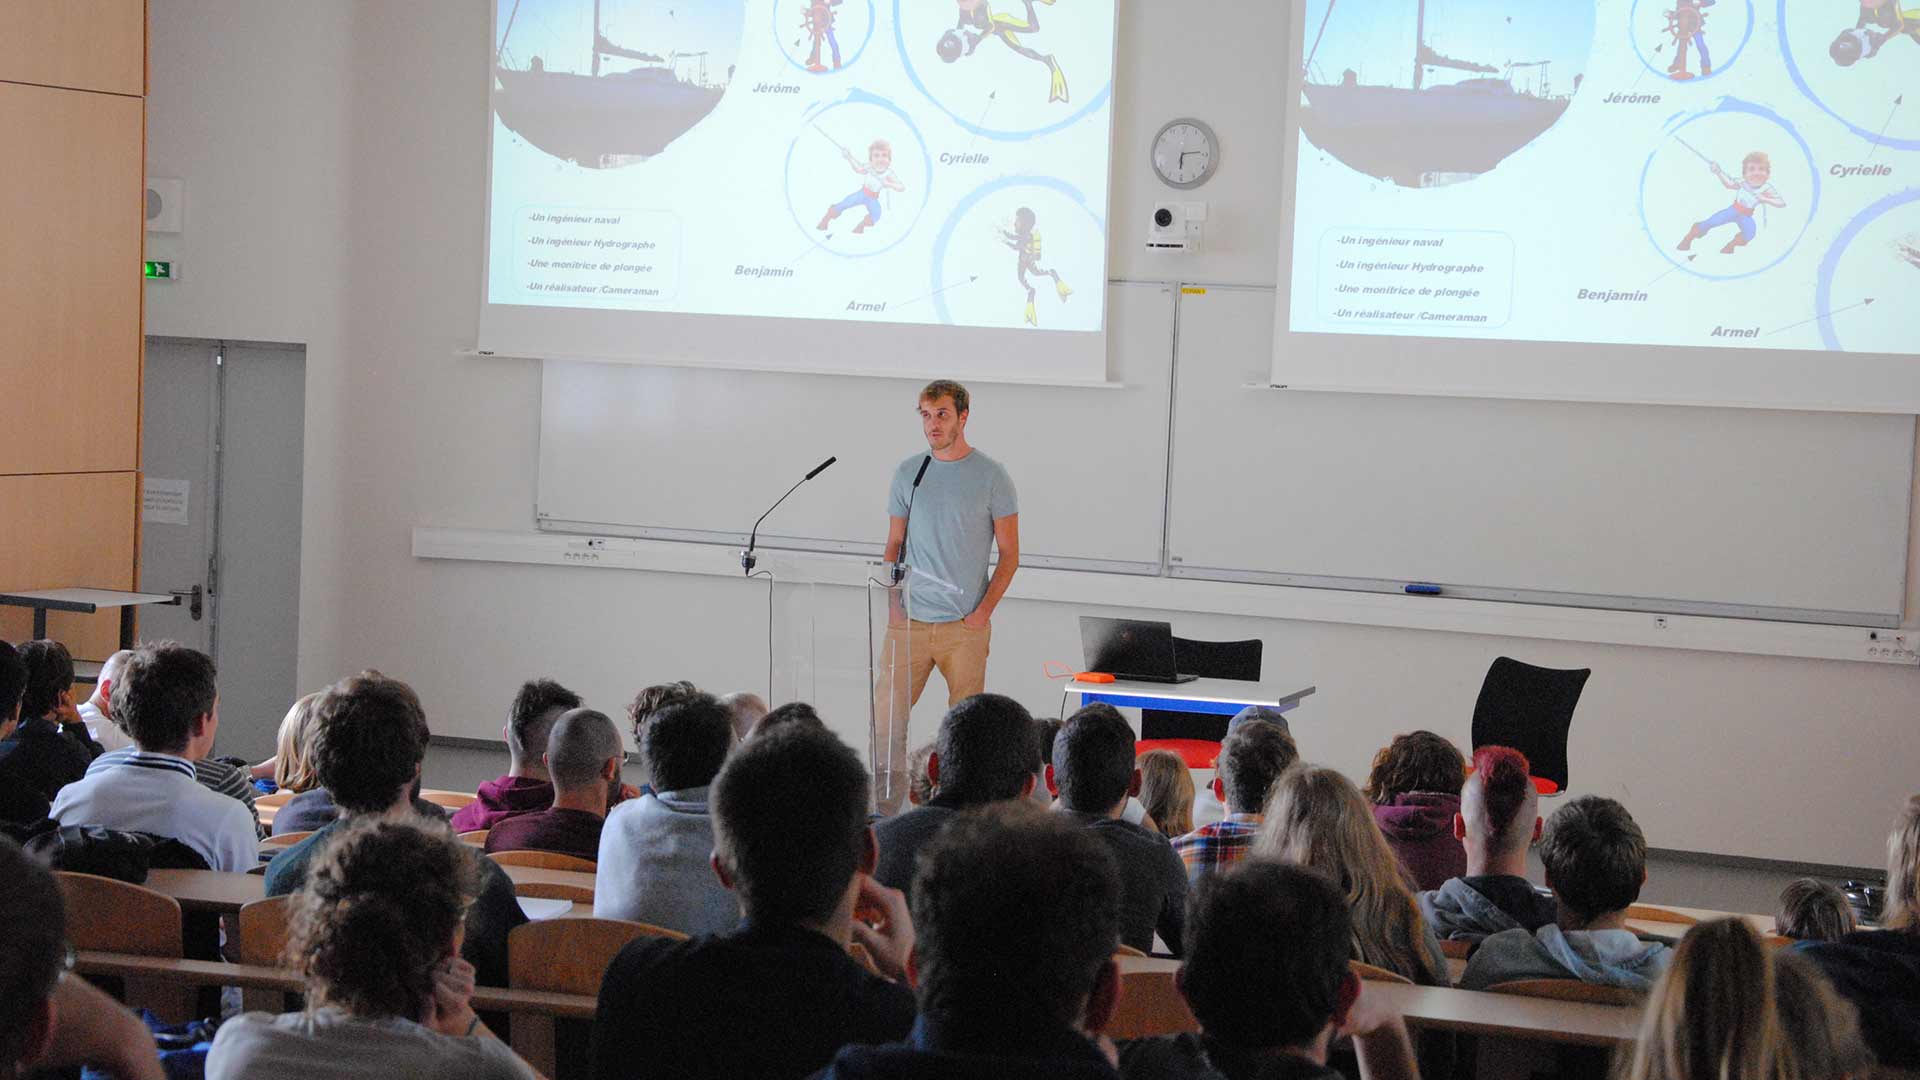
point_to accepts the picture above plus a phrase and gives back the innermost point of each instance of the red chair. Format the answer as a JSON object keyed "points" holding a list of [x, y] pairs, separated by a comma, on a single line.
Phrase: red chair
{"points": [[1197, 753]]}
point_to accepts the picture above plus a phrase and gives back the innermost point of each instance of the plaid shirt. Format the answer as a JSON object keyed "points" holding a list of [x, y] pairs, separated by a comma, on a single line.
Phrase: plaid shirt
{"points": [[1217, 846]]}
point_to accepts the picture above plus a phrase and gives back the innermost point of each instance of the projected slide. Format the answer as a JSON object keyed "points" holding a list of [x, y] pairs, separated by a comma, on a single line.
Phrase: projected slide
{"points": [[1735, 173], [896, 161]]}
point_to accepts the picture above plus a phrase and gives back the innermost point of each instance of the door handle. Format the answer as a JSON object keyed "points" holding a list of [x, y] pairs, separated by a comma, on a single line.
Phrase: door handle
{"points": [[194, 598]]}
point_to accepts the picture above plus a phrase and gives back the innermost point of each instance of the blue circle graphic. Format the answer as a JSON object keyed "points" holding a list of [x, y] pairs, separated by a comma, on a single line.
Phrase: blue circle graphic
{"points": [[1799, 80], [859, 97], [973, 127], [1732, 105], [972, 199], [1730, 61], [847, 63], [1823, 290]]}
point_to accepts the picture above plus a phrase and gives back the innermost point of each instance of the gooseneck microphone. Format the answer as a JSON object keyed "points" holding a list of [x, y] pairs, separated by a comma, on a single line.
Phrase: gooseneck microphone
{"points": [[747, 560], [900, 561]]}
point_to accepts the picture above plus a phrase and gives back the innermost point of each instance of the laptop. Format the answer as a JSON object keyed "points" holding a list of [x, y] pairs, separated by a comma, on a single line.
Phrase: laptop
{"points": [[1137, 650]]}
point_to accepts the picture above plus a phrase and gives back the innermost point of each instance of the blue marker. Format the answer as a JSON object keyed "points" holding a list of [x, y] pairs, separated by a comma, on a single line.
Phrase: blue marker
{"points": [[1421, 588]]}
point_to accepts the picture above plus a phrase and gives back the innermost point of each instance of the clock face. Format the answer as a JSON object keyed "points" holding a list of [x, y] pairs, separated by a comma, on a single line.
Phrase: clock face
{"points": [[1184, 153]]}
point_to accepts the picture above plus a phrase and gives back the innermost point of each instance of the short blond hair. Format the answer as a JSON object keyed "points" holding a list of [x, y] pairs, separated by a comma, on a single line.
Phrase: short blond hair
{"points": [[1757, 157], [879, 144], [940, 388]]}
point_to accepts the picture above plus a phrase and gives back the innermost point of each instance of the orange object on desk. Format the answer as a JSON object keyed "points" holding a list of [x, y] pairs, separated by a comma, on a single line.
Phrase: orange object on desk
{"points": [[1093, 677]]}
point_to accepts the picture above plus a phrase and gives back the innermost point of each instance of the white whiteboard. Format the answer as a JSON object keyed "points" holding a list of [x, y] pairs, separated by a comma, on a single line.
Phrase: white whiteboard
{"points": [[694, 454], [1719, 511]]}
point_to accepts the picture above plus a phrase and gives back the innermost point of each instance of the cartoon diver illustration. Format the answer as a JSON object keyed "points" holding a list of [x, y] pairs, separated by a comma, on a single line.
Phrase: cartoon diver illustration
{"points": [[879, 174], [1687, 23], [817, 23], [1025, 239], [1749, 192], [979, 22], [1880, 22]]}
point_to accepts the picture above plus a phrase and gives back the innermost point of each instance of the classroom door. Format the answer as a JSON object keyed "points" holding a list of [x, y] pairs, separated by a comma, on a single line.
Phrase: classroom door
{"points": [[223, 428]]}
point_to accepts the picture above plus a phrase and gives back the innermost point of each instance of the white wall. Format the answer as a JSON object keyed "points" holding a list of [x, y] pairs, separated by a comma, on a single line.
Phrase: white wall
{"points": [[333, 155]]}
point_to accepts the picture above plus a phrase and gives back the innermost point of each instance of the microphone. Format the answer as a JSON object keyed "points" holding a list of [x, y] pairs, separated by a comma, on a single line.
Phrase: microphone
{"points": [[747, 561], [899, 573]]}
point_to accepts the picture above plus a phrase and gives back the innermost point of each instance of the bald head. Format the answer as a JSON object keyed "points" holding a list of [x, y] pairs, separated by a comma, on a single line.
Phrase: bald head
{"points": [[746, 708], [102, 697], [578, 748]]}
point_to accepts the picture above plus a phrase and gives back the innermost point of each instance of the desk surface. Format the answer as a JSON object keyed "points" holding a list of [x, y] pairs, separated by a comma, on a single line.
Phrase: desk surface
{"points": [[227, 892], [1477, 1011], [1674, 931], [83, 600], [1216, 691]]}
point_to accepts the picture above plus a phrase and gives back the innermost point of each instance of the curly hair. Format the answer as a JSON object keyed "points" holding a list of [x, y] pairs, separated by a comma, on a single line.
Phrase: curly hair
{"points": [[378, 913], [652, 699], [1416, 761], [369, 735]]}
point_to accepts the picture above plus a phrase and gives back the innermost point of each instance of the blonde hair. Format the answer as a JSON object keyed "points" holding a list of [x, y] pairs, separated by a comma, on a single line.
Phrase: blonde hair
{"points": [[1316, 818], [1758, 157], [292, 765], [879, 144], [1166, 790], [1727, 1006], [1903, 871]]}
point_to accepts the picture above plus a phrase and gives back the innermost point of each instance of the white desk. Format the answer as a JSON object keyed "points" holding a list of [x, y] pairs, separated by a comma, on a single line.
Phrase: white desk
{"points": [[1222, 697]]}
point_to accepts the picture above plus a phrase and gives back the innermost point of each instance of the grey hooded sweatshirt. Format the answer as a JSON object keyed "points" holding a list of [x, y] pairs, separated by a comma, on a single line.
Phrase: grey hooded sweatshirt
{"points": [[1460, 911], [1605, 957]]}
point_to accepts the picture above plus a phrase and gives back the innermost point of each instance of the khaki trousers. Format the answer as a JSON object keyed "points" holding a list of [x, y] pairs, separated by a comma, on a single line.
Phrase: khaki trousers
{"points": [[907, 659]]}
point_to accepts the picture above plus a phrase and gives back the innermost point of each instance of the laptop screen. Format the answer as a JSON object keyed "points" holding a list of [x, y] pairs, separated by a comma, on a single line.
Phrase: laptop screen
{"points": [[1128, 647]]}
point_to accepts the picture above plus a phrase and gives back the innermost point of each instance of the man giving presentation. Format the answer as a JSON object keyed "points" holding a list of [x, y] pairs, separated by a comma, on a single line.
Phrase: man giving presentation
{"points": [[964, 504]]}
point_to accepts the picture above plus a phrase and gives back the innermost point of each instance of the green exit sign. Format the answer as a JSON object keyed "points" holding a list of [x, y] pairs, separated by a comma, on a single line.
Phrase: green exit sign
{"points": [[160, 270]]}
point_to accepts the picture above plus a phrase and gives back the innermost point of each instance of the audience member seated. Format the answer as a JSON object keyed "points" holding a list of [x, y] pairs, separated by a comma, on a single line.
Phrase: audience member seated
{"points": [[1017, 915], [1499, 820], [48, 1019], [652, 699], [1415, 791], [1727, 1007], [1267, 976], [376, 930], [21, 801], [1092, 775], [1046, 730], [1135, 812], [746, 708], [655, 850], [584, 756], [1166, 791], [526, 787], [97, 711], [1879, 970], [778, 996], [291, 767], [1252, 757], [793, 712], [1316, 818], [314, 809], [982, 753], [369, 736], [919, 785], [53, 749], [1813, 910], [1596, 860], [167, 699]]}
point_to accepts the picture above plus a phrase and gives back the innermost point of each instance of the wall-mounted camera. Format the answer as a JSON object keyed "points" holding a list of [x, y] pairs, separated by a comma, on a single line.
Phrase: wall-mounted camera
{"points": [[1176, 226]]}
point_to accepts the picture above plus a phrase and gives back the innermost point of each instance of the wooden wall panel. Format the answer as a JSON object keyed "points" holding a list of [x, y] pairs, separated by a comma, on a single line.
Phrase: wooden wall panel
{"points": [[68, 529], [83, 44], [71, 196]]}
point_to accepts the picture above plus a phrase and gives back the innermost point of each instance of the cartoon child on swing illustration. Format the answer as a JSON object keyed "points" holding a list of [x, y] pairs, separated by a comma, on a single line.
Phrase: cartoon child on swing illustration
{"points": [[978, 22], [1753, 190], [1024, 238]]}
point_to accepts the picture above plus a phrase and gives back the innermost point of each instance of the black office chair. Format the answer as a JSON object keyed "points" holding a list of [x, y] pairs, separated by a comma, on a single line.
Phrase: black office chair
{"points": [[1236, 660], [1530, 709]]}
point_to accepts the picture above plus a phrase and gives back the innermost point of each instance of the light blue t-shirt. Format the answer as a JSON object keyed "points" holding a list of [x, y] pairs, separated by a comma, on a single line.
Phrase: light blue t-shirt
{"points": [[950, 532]]}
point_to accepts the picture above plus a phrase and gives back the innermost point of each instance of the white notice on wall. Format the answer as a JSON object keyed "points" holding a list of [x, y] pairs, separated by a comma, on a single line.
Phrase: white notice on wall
{"points": [[164, 502]]}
